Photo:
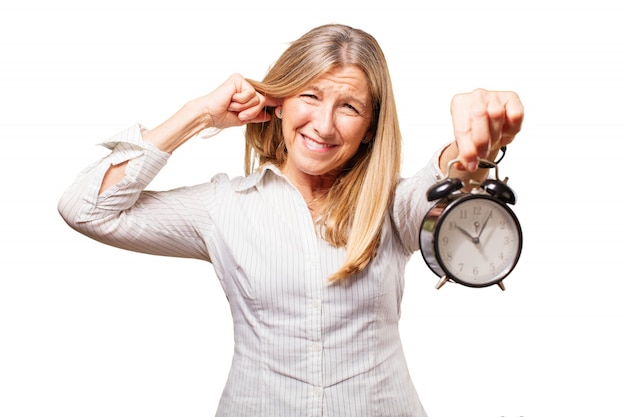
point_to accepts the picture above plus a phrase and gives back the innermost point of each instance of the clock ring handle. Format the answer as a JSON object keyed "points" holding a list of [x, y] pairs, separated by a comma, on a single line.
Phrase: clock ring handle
{"points": [[484, 163], [446, 186], [449, 185], [495, 187]]}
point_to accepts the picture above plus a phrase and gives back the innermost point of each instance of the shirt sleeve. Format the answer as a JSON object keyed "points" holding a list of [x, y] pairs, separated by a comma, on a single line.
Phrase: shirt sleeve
{"points": [[411, 205], [129, 217]]}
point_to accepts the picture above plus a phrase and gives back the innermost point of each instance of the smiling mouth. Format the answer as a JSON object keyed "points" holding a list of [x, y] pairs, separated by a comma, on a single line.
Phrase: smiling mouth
{"points": [[314, 145]]}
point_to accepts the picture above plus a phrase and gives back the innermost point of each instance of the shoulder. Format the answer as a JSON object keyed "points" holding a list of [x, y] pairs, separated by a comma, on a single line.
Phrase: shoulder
{"points": [[222, 182]]}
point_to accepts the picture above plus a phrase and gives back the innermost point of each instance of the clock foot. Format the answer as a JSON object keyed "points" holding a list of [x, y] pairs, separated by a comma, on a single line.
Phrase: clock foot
{"points": [[501, 285], [442, 281]]}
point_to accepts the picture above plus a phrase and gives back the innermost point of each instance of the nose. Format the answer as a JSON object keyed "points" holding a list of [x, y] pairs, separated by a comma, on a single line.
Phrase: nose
{"points": [[324, 120]]}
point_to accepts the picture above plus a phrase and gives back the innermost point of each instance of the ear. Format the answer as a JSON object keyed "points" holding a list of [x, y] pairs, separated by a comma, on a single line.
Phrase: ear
{"points": [[369, 136]]}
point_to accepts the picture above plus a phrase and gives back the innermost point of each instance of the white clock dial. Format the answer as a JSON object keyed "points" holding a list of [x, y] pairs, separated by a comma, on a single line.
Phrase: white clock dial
{"points": [[478, 241]]}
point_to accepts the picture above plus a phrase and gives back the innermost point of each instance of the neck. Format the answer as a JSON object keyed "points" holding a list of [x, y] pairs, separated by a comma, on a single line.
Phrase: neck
{"points": [[312, 187]]}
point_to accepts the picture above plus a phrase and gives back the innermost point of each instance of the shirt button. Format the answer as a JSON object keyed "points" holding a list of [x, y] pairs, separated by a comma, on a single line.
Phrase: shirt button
{"points": [[318, 391], [316, 346], [316, 303]]}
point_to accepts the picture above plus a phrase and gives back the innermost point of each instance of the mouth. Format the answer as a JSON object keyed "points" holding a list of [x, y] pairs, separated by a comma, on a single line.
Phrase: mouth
{"points": [[314, 145]]}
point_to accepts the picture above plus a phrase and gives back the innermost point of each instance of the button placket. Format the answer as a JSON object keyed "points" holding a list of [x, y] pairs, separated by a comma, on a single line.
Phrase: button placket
{"points": [[316, 345]]}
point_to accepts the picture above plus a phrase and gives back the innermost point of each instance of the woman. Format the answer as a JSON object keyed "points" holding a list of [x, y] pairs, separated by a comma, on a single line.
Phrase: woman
{"points": [[310, 247]]}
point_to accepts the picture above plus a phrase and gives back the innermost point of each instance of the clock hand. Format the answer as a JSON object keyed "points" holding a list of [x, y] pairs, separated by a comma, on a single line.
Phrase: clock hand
{"points": [[466, 233], [484, 224]]}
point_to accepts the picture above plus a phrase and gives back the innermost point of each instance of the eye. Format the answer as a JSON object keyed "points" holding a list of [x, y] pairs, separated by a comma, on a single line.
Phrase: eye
{"points": [[351, 109], [309, 96]]}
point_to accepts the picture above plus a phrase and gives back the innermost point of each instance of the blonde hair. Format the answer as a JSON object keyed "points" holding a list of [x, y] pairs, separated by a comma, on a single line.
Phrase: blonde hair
{"points": [[355, 207]]}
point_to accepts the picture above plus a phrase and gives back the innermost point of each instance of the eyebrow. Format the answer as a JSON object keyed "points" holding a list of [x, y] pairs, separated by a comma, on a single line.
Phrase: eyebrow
{"points": [[348, 97]]}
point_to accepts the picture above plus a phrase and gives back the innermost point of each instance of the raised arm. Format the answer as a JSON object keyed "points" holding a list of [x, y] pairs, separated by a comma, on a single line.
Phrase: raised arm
{"points": [[234, 103], [108, 201]]}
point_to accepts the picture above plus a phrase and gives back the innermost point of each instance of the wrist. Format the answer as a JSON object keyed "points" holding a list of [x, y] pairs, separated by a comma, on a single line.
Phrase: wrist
{"points": [[178, 129], [198, 111]]}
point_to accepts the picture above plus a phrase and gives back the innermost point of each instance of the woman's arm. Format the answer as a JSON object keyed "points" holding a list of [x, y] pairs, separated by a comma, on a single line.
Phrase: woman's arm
{"points": [[234, 103], [108, 201]]}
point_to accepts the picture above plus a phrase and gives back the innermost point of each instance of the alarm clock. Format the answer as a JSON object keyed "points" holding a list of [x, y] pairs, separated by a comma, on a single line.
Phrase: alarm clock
{"points": [[471, 238]]}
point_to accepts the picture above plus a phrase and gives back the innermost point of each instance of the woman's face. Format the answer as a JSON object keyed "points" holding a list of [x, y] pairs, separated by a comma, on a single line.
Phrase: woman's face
{"points": [[325, 123]]}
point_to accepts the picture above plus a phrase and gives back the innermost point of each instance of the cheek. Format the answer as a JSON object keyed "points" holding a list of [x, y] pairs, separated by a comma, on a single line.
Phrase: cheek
{"points": [[294, 112], [353, 133], [292, 119]]}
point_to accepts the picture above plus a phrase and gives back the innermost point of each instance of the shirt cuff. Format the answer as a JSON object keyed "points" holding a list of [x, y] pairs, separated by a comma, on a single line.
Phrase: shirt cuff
{"points": [[129, 145], [126, 145], [434, 169]]}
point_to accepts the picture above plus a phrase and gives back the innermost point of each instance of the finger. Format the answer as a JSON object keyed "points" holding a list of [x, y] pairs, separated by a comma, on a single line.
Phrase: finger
{"points": [[514, 116], [245, 95], [485, 129], [470, 129], [496, 113], [272, 102], [261, 112], [261, 117], [244, 100], [254, 110], [461, 123]]}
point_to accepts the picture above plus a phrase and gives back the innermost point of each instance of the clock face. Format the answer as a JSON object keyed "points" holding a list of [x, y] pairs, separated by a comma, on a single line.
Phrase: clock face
{"points": [[478, 241]]}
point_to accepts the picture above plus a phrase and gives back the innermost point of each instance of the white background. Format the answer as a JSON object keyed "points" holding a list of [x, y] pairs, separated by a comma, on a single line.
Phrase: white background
{"points": [[88, 330]]}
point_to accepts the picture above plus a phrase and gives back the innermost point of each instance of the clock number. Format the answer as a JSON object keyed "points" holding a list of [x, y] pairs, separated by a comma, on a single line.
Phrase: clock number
{"points": [[478, 210]]}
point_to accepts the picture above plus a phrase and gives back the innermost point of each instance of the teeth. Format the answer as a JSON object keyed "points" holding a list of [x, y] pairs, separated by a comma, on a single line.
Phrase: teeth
{"points": [[316, 145]]}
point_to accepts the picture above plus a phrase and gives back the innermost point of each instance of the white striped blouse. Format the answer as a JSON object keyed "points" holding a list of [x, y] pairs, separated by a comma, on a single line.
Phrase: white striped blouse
{"points": [[303, 347]]}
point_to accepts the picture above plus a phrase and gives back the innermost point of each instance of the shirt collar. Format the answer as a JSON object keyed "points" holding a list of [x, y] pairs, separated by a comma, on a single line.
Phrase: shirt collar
{"points": [[256, 177]]}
